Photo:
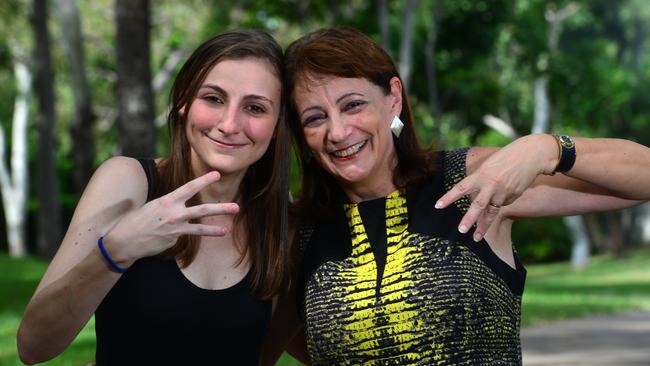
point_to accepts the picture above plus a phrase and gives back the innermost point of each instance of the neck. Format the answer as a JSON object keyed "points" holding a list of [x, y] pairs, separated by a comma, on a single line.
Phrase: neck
{"points": [[225, 189], [363, 192], [370, 188], [375, 186]]}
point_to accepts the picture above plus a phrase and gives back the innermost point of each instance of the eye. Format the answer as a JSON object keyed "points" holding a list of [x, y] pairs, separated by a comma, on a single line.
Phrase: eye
{"points": [[353, 105], [313, 119], [255, 109], [212, 98]]}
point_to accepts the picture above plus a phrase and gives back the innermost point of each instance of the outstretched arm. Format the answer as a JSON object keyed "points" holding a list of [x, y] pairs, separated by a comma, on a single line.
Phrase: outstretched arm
{"points": [[607, 174], [78, 278]]}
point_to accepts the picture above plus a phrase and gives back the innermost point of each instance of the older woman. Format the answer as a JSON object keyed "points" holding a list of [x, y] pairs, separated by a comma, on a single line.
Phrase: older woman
{"points": [[395, 271]]}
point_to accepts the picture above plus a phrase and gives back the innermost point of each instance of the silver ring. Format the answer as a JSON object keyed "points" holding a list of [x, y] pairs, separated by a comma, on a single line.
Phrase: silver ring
{"points": [[495, 206]]}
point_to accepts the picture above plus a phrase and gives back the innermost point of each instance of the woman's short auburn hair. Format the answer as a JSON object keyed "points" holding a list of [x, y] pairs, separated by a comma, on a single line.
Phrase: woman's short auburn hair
{"points": [[347, 53]]}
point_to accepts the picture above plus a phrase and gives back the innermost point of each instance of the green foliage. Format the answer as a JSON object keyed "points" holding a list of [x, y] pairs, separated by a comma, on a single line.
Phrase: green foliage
{"points": [[541, 240], [487, 57], [493, 139]]}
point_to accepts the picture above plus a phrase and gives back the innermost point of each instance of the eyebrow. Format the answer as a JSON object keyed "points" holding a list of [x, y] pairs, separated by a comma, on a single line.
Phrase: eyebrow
{"points": [[347, 95], [337, 101], [220, 90]]}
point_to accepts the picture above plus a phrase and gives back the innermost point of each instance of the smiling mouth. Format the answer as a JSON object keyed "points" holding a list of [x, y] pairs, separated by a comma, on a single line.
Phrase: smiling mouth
{"points": [[350, 151], [224, 144]]}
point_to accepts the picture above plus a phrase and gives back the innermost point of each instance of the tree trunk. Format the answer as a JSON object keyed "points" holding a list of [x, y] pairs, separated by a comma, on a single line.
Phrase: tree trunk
{"points": [[643, 222], [406, 45], [581, 244], [49, 212], [432, 76], [616, 232], [81, 129], [384, 24], [580, 250], [542, 106], [596, 229], [14, 185], [135, 97]]}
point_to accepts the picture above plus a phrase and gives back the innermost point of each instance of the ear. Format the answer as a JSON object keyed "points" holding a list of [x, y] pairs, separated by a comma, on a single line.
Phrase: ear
{"points": [[181, 112], [396, 96]]}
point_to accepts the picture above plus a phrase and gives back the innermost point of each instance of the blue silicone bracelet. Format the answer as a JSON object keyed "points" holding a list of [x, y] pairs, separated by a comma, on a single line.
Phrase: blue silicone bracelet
{"points": [[109, 260]]}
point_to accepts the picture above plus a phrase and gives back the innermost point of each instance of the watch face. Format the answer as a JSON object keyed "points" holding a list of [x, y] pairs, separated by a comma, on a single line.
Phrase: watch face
{"points": [[566, 141]]}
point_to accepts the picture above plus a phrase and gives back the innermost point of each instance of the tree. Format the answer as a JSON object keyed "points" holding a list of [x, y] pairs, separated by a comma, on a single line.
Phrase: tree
{"points": [[14, 179], [135, 97], [406, 45], [49, 213], [430, 65], [384, 24], [555, 18], [81, 129]]}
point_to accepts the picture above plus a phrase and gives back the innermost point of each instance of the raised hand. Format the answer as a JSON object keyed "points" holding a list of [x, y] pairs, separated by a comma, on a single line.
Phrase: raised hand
{"points": [[156, 226], [500, 179]]}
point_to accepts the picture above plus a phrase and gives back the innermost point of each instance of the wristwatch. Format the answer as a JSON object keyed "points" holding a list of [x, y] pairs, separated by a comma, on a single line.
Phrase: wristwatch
{"points": [[567, 153]]}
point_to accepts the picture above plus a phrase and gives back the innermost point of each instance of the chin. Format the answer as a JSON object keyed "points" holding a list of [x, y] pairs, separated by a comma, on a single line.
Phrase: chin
{"points": [[353, 178]]}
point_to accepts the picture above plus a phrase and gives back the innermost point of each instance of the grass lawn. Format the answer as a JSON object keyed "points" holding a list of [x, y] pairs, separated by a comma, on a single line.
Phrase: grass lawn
{"points": [[553, 292], [608, 285]]}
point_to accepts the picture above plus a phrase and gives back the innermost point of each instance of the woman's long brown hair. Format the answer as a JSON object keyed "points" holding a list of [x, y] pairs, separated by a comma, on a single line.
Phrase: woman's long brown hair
{"points": [[345, 52], [264, 191]]}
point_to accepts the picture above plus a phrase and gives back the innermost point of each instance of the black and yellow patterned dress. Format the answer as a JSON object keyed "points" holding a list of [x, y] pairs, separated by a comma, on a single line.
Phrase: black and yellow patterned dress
{"points": [[393, 282]]}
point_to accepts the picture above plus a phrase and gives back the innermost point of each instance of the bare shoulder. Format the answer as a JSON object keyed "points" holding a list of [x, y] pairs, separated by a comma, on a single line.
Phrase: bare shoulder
{"points": [[118, 178], [476, 156], [118, 186]]}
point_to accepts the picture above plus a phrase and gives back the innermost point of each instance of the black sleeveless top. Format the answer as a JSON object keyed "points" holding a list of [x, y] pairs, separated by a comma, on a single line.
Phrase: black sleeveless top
{"points": [[391, 281], [155, 316]]}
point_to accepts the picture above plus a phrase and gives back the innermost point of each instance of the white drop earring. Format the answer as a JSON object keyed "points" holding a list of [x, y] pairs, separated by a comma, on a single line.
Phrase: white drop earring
{"points": [[396, 126]]}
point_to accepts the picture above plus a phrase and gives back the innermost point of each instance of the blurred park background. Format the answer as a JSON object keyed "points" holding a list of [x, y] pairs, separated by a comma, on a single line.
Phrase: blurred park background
{"points": [[86, 80]]}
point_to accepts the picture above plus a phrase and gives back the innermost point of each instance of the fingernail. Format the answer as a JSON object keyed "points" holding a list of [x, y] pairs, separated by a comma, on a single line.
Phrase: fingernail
{"points": [[439, 204], [477, 237], [462, 229]]}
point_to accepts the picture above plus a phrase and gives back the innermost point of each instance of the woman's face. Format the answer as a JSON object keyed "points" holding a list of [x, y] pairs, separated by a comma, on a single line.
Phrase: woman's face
{"points": [[233, 116], [346, 123]]}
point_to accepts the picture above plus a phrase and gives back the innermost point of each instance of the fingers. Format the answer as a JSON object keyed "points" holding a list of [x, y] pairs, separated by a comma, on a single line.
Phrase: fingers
{"points": [[482, 212], [485, 220], [189, 189], [204, 210], [209, 209], [475, 210], [462, 188], [205, 230]]}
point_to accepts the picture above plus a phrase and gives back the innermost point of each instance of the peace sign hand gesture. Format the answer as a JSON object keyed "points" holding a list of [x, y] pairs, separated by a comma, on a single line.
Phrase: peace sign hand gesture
{"points": [[500, 178], [156, 226]]}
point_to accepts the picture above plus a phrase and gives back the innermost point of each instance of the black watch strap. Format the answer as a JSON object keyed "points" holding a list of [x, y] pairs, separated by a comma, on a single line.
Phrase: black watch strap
{"points": [[567, 153]]}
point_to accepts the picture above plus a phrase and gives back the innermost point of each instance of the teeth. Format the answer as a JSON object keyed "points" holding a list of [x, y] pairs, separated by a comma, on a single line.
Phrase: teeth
{"points": [[349, 151]]}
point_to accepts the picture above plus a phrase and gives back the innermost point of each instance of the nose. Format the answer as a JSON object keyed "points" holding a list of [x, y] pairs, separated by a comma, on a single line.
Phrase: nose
{"points": [[337, 129], [229, 122]]}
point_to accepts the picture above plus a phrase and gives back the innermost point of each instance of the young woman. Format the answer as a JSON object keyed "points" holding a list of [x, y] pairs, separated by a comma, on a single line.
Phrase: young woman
{"points": [[179, 258], [390, 277]]}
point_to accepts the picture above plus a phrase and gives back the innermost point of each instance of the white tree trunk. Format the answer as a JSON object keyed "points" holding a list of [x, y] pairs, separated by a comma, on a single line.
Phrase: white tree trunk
{"points": [[581, 244], [644, 222], [581, 247], [14, 183], [542, 106], [406, 45]]}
